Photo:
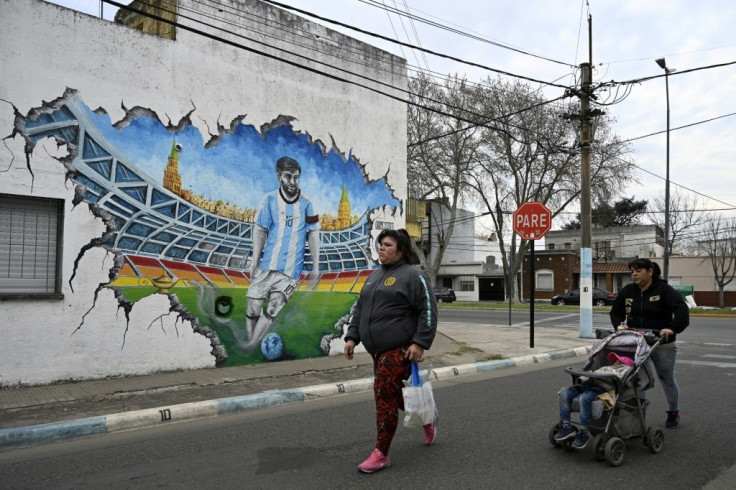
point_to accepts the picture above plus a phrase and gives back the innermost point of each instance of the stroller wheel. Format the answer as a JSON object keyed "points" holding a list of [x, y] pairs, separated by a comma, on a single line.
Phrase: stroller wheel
{"points": [[598, 446], [615, 451], [552, 432], [655, 440]]}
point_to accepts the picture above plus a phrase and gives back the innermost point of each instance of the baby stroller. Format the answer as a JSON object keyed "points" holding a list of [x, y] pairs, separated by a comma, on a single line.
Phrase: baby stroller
{"points": [[623, 415]]}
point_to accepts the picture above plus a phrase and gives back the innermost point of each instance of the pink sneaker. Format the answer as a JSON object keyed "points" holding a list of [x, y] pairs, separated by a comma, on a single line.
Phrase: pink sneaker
{"points": [[376, 461], [430, 433]]}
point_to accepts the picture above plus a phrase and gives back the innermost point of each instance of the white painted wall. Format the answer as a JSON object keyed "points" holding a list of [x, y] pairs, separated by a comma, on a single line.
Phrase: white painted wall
{"points": [[46, 48]]}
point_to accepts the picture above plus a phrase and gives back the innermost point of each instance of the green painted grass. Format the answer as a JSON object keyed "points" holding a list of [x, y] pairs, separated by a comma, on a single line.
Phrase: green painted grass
{"points": [[302, 323]]}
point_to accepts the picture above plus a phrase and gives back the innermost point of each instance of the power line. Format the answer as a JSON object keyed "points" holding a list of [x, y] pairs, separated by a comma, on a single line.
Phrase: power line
{"points": [[685, 187], [677, 73], [295, 64], [680, 127], [464, 33], [416, 32], [337, 77], [274, 24], [397, 38], [441, 55], [668, 55], [345, 47], [496, 119], [222, 7]]}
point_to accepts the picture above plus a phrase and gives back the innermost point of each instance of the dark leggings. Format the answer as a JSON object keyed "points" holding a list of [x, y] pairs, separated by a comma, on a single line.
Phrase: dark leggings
{"points": [[390, 370]]}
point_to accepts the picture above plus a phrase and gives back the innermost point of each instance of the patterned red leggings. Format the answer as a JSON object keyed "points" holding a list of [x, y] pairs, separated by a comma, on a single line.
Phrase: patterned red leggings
{"points": [[390, 370]]}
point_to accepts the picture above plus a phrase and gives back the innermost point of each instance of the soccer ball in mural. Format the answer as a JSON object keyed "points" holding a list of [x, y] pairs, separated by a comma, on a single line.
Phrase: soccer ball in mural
{"points": [[272, 346]]}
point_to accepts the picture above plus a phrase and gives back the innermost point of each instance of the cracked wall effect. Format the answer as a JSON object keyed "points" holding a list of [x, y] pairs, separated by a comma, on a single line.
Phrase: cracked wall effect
{"points": [[58, 59], [80, 192], [120, 169]]}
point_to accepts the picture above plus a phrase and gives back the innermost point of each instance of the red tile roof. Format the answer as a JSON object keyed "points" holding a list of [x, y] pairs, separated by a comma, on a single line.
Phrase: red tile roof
{"points": [[600, 267]]}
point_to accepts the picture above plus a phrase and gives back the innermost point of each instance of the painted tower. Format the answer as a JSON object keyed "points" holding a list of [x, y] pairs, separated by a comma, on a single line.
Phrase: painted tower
{"points": [[343, 211], [172, 179]]}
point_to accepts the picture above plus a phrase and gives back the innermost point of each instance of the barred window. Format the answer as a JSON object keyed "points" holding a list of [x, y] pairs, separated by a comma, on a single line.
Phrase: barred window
{"points": [[467, 283], [545, 280], [30, 245]]}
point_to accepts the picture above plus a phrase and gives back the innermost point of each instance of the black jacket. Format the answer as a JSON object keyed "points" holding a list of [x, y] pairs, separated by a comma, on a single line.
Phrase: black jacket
{"points": [[396, 308], [658, 307]]}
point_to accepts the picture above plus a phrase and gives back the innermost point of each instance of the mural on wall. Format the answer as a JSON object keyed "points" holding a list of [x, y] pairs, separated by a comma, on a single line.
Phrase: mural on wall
{"points": [[259, 236]]}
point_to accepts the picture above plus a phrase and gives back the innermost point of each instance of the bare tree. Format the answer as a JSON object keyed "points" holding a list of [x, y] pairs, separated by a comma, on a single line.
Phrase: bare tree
{"points": [[718, 244], [440, 158], [532, 156], [684, 215]]}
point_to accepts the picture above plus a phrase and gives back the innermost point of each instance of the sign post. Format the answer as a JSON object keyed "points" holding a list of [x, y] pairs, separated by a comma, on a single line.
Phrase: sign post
{"points": [[531, 222]]}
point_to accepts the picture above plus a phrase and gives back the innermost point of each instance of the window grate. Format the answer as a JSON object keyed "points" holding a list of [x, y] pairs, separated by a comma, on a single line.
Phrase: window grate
{"points": [[30, 245]]}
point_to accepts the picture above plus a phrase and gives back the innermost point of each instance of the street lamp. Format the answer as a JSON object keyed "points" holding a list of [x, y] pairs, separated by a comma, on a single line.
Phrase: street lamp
{"points": [[663, 64]]}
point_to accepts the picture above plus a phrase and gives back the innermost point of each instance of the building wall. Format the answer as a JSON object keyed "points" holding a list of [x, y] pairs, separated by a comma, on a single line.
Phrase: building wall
{"points": [[466, 257], [565, 267], [460, 247], [215, 97], [160, 8], [695, 271], [560, 263], [618, 243]]}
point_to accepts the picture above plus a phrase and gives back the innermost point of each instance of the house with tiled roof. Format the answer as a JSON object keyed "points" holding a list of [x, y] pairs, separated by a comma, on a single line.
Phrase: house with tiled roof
{"points": [[557, 267]]}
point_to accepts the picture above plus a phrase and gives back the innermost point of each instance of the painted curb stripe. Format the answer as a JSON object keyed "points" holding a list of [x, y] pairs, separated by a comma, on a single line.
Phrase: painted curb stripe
{"points": [[55, 431], [258, 400], [35, 435], [495, 365]]}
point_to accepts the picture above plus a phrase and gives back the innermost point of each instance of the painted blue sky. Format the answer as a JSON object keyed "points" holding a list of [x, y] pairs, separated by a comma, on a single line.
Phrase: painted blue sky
{"points": [[241, 168]]}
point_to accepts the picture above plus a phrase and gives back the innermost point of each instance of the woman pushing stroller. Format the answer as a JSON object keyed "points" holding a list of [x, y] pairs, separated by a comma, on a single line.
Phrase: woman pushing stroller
{"points": [[649, 303]]}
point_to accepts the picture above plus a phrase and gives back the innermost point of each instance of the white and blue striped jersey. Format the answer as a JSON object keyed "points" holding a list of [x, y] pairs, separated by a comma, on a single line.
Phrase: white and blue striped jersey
{"points": [[287, 224]]}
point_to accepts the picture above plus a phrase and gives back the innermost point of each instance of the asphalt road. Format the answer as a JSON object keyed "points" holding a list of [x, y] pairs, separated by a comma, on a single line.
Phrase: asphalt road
{"points": [[701, 329], [493, 433]]}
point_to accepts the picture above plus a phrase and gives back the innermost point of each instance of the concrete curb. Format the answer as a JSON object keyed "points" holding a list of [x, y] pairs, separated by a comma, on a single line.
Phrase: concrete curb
{"points": [[36, 435]]}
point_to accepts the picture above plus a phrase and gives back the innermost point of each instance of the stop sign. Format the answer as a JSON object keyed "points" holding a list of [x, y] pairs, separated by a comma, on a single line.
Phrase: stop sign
{"points": [[532, 220]]}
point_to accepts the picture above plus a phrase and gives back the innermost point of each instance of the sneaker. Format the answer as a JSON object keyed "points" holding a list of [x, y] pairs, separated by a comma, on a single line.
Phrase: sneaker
{"points": [[430, 433], [376, 461], [581, 440], [564, 432], [673, 419]]}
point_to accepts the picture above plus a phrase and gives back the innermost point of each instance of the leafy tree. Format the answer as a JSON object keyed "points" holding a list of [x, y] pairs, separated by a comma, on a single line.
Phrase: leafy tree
{"points": [[625, 212]]}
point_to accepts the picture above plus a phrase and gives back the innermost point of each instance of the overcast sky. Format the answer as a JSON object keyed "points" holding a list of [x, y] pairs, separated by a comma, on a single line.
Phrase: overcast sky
{"points": [[628, 35]]}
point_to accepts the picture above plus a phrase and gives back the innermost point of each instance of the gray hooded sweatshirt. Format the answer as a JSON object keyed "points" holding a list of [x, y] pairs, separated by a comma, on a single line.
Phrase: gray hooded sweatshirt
{"points": [[396, 308]]}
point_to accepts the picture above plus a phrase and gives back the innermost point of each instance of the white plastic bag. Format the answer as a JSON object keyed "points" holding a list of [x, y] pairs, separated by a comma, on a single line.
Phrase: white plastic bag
{"points": [[419, 406]]}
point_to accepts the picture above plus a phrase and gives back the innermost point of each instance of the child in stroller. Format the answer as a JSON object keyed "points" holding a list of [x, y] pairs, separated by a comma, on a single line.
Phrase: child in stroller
{"points": [[587, 390], [607, 393]]}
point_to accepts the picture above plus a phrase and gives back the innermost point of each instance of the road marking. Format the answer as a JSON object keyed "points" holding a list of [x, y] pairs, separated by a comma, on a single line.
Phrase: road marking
{"points": [[550, 319], [719, 356], [718, 345], [708, 363]]}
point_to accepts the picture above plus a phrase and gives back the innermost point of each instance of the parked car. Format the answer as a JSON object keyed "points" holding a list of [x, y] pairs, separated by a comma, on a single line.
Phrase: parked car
{"points": [[444, 295], [601, 297]]}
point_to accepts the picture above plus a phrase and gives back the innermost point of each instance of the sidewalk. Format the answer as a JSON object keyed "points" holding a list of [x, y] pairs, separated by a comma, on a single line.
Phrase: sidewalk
{"points": [[39, 414]]}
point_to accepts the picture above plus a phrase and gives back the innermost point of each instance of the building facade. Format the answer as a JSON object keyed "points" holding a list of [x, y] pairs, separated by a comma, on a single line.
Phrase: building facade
{"points": [[471, 265], [557, 268], [135, 167]]}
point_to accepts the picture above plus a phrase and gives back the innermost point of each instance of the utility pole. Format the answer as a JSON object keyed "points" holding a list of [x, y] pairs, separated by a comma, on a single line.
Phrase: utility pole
{"points": [[586, 138], [585, 93]]}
